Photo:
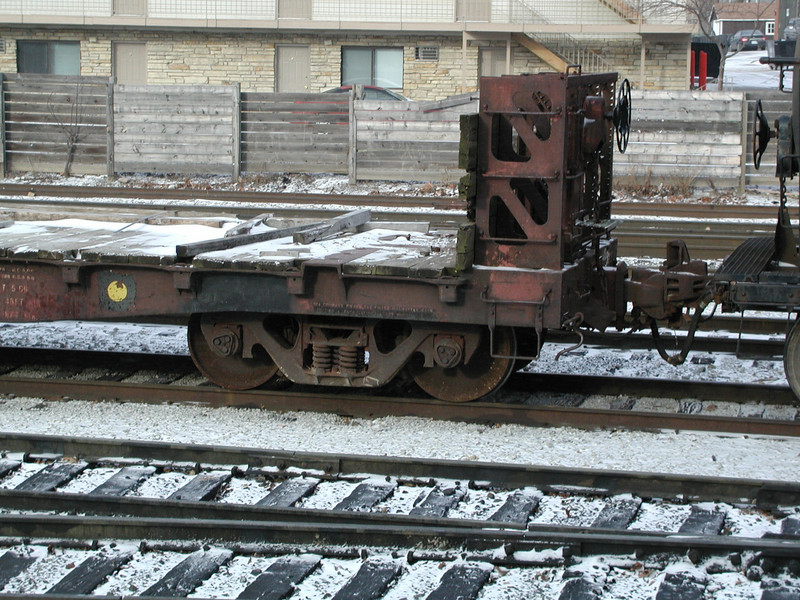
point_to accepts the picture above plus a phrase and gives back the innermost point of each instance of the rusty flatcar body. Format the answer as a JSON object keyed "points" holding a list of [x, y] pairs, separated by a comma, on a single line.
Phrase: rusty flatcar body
{"points": [[352, 303]]}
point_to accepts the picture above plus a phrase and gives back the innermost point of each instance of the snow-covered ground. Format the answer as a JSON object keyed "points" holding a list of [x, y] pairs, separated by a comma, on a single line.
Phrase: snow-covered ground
{"points": [[744, 71]]}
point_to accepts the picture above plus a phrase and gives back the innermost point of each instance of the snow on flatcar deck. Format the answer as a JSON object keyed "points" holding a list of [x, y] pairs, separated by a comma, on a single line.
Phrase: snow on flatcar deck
{"points": [[370, 249]]}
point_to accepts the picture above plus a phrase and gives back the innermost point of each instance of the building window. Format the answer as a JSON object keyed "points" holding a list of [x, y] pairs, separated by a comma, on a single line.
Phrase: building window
{"points": [[53, 58], [382, 67], [770, 28]]}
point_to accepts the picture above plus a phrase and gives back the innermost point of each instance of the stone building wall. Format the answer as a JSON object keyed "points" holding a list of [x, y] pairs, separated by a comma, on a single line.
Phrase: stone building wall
{"points": [[248, 58]]}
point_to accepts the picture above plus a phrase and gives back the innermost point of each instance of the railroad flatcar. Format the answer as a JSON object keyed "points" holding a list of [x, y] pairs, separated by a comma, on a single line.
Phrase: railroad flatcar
{"points": [[350, 302]]}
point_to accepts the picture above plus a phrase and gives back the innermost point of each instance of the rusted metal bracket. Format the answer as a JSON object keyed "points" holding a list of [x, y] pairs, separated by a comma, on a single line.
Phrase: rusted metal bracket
{"points": [[538, 321]]}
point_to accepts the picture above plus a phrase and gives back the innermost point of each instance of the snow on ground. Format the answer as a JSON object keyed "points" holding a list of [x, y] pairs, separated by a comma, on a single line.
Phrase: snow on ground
{"points": [[743, 70]]}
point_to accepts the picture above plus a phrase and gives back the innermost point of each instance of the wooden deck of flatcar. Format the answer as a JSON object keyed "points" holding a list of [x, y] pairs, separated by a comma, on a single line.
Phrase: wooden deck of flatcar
{"points": [[407, 250]]}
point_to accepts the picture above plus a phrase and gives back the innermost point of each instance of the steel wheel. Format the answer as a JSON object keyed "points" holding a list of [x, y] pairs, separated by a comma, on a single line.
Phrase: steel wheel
{"points": [[221, 359], [476, 379], [791, 358]]}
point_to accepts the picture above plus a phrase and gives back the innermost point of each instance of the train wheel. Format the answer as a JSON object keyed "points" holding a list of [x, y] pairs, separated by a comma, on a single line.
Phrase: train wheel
{"points": [[482, 375], [221, 360], [791, 358]]}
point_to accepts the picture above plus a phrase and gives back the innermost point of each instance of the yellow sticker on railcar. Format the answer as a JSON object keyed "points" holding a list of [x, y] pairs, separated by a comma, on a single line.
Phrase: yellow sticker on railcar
{"points": [[117, 291]]}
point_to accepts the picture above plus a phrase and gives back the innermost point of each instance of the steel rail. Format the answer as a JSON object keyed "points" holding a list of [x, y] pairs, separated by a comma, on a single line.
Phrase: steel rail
{"points": [[255, 197], [370, 407], [764, 494], [695, 211], [582, 542], [671, 209]]}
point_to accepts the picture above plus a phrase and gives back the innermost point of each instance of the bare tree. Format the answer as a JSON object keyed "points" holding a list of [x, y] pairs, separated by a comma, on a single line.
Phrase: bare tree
{"points": [[701, 13], [68, 122]]}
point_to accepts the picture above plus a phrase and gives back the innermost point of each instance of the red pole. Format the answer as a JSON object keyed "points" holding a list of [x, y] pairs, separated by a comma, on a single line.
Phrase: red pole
{"points": [[691, 72], [703, 70]]}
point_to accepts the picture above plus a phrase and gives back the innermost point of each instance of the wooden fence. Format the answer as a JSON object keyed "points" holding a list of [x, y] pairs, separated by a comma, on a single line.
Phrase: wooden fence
{"points": [[88, 125], [54, 124], [295, 133], [691, 138], [182, 129]]}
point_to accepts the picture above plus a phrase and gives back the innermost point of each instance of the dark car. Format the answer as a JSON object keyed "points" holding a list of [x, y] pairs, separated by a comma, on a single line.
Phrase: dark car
{"points": [[371, 92], [748, 39], [790, 31]]}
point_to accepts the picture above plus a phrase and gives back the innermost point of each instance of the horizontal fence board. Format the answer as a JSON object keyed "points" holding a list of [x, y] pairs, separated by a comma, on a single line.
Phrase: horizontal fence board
{"points": [[317, 150], [97, 140], [295, 118], [684, 137], [437, 175], [190, 138], [277, 105], [406, 136], [183, 110], [693, 149], [688, 162], [24, 164], [171, 129], [173, 167], [172, 152], [64, 119], [327, 132], [298, 166], [391, 115]]}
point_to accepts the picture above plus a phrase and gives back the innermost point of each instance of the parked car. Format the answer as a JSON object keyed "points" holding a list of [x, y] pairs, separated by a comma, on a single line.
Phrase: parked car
{"points": [[371, 92], [748, 39], [790, 31]]}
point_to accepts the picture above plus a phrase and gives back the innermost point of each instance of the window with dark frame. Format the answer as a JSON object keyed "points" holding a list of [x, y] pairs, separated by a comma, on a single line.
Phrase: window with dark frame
{"points": [[49, 57], [364, 65]]}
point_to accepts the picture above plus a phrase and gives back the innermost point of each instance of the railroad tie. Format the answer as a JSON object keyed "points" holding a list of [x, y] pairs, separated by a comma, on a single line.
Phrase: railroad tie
{"points": [[280, 578], [90, 573], [461, 582], [790, 527], [702, 521], [6, 466], [685, 585], [202, 487], [188, 574], [439, 501], [779, 593], [12, 564], [617, 513], [289, 492], [366, 495], [518, 507], [51, 477], [583, 587], [371, 581], [123, 481]]}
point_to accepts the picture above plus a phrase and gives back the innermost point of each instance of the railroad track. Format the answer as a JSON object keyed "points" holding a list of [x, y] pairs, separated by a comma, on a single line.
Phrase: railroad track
{"points": [[711, 231], [233, 519], [692, 405]]}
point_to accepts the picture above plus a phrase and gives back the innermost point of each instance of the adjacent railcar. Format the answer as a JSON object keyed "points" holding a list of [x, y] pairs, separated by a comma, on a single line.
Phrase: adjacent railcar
{"points": [[352, 303]]}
